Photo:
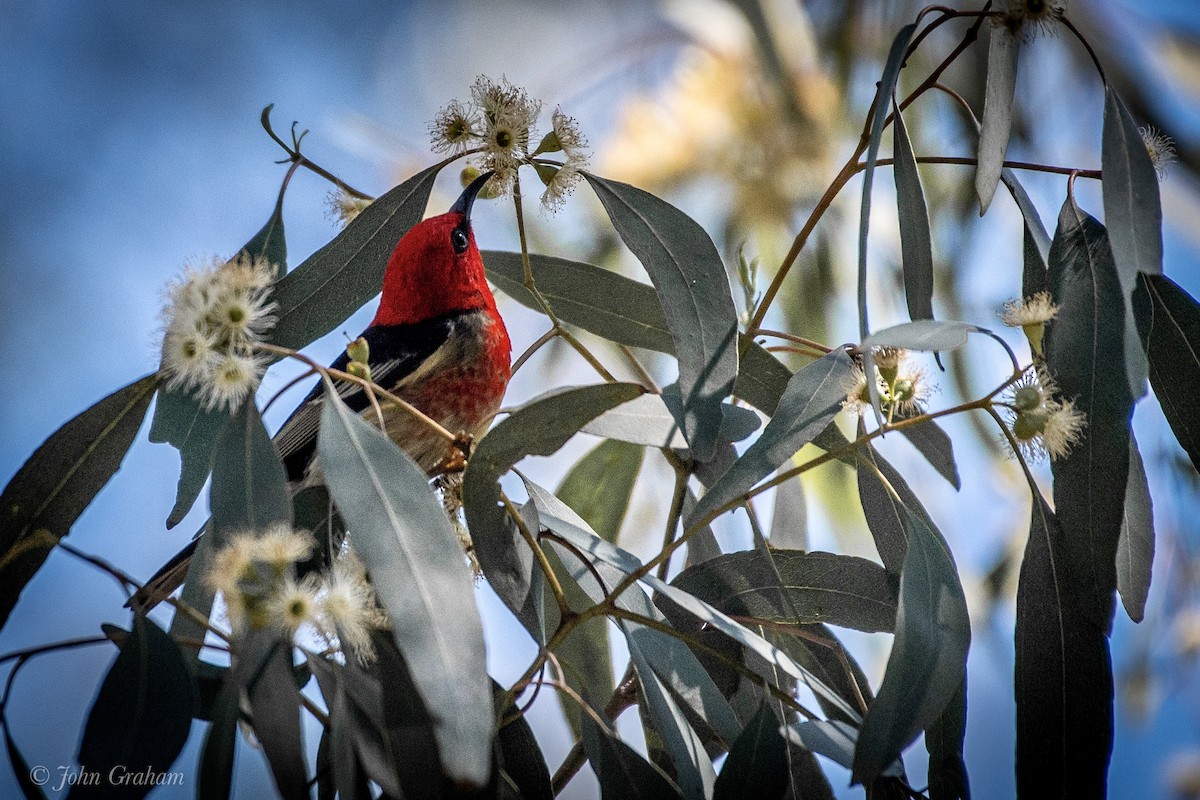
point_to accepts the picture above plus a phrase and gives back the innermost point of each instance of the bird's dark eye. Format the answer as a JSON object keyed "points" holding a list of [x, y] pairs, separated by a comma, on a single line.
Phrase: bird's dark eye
{"points": [[458, 240]]}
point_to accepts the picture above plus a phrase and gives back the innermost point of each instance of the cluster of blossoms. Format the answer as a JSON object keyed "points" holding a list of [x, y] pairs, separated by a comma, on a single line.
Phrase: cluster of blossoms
{"points": [[1040, 424], [256, 574], [213, 316], [1160, 148], [1030, 314], [903, 386], [498, 125], [1028, 18]]}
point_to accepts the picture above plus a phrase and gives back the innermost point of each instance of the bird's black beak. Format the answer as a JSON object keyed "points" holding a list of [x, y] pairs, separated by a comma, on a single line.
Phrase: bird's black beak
{"points": [[467, 199]]}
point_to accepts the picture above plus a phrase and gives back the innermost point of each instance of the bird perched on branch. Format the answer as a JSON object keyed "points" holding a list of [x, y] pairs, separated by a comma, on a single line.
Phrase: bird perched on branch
{"points": [[437, 342]]}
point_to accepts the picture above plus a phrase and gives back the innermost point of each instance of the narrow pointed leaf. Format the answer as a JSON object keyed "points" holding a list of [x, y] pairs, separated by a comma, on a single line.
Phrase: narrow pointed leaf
{"points": [[262, 673], [249, 492], [789, 517], [933, 443], [539, 428], [1135, 548], [670, 658], [335, 281], [916, 247], [598, 300], [813, 397], [835, 740], [522, 757], [1003, 50], [1168, 320], [883, 101], [757, 764], [586, 541], [647, 420], [404, 538], [1133, 218], [929, 654], [1085, 352], [1063, 676], [1034, 226], [693, 768], [944, 742], [142, 715], [886, 515], [215, 778], [60, 479], [926, 335], [621, 771], [1033, 271], [598, 488], [810, 588], [180, 419], [693, 290]]}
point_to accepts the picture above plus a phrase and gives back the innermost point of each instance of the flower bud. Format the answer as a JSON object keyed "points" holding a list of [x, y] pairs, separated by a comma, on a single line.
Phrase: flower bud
{"points": [[359, 351], [359, 370]]}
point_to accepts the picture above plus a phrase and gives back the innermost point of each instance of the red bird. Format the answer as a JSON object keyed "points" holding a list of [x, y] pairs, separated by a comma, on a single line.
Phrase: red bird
{"points": [[437, 341]]}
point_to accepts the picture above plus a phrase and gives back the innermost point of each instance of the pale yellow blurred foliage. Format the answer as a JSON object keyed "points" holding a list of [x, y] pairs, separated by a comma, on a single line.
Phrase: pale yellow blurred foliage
{"points": [[721, 114]]}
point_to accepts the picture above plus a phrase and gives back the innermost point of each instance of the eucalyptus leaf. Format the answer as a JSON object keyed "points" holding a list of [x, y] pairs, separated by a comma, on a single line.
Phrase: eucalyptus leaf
{"points": [[1063, 675], [693, 290], [1033, 269], [539, 428], [1168, 319], [336, 280], [1135, 548], [1034, 226], [933, 443], [520, 755], [262, 673], [813, 398], [647, 420], [585, 541], [834, 739], [1133, 216], [249, 493], [693, 769], [670, 658], [142, 715], [598, 488], [598, 300], [947, 771], [180, 418], [803, 588], [926, 335], [916, 245], [789, 516], [621, 771], [879, 112], [1004, 47], [757, 764], [928, 660], [215, 778], [54, 486], [1085, 352], [404, 538]]}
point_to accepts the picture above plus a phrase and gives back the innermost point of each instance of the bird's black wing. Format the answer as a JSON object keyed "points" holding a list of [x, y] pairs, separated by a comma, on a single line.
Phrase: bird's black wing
{"points": [[395, 352]]}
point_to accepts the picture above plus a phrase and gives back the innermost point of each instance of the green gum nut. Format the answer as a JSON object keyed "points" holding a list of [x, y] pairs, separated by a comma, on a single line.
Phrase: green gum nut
{"points": [[359, 351], [1027, 398], [1029, 424], [1034, 333]]}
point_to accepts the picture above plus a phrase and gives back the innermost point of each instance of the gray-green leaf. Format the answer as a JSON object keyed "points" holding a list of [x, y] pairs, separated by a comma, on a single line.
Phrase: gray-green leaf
{"points": [[399, 529], [1003, 50], [60, 479], [928, 658], [693, 290]]}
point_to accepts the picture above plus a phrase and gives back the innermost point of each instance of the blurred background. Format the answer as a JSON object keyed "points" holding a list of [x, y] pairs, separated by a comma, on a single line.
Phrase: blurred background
{"points": [[130, 145]]}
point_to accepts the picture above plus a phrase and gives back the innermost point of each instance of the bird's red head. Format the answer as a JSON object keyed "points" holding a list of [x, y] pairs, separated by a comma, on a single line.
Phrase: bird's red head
{"points": [[436, 268]]}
